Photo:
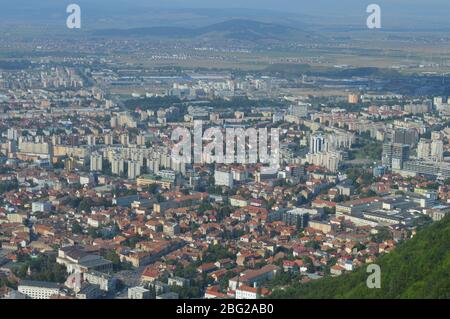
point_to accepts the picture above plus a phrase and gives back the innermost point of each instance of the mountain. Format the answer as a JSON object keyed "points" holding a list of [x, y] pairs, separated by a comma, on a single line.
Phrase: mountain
{"points": [[237, 29], [418, 268], [249, 30]]}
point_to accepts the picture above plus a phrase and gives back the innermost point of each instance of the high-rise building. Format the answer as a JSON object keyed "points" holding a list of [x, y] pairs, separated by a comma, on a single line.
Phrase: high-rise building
{"points": [[56, 140], [91, 141], [108, 139], [117, 166], [12, 149], [96, 162], [430, 150], [74, 140], [437, 151], [223, 178], [424, 149], [317, 144], [140, 140], [298, 217], [134, 169], [405, 136], [124, 139], [69, 164], [13, 134], [114, 122], [329, 160], [394, 155]]}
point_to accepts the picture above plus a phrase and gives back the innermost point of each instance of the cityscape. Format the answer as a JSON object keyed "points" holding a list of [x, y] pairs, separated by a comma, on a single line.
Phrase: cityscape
{"points": [[213, 152]]}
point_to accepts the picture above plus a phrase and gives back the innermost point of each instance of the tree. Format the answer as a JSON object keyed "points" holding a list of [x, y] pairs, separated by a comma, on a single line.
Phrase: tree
{"points": [[112, 256], [85, 205], [418, 268], [76, 228]]}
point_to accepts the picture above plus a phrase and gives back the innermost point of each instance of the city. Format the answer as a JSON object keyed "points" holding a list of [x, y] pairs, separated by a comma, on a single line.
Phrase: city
{"points": [[96, 202]]}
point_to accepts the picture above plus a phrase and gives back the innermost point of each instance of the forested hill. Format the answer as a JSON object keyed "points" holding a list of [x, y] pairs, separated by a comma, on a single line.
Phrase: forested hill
{"points": [[418, 268]]}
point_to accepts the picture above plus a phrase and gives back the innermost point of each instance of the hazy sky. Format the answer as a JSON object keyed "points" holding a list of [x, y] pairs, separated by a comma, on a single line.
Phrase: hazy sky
{"points": [[317, 7], [413, 12]]}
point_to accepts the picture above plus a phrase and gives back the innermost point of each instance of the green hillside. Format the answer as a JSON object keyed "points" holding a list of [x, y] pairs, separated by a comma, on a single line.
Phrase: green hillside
{"points": [[418, 268]]}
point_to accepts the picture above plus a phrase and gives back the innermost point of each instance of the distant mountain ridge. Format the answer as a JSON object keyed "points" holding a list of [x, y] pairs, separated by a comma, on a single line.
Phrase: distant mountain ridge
{"points": [[238, 29]]}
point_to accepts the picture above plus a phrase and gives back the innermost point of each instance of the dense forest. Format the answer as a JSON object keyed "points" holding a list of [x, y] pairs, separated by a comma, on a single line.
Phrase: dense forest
{"points": [[418, 268]]}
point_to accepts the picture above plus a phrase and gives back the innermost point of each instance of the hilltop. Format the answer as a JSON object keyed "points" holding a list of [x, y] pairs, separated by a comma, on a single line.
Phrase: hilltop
{"points": [[235, 29], [418, 268]]}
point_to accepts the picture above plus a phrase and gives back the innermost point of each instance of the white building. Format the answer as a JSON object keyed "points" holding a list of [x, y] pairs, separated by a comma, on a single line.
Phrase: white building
{"points": [[38, 289], [317, 144], [117, 166], [41, 207], [96, 162], [138, 293], [223, 178], [134, 169], [105, 282]]}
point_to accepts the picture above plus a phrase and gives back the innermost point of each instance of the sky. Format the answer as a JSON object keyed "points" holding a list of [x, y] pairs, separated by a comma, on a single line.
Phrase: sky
{"points": [[317, 7], [407, 12]]}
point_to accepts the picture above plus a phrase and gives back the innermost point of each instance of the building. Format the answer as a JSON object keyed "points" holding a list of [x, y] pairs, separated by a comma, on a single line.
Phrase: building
{"points": [[178, 281], [353, 98], [317, 144], [105, 282], [356, 207], [407, 136], [13, 134], [247, 292], [223, 178], [134, 169], [166, 179], [435, 169], [96, 162], [394, 155], [124, 139], [430, 150], [138, 293], [330, 160], [298, 217], [91, 140], [171, 228], [299, 110], [379, 171], [75, 259], [253, 276], [38, 289], [140, 140], [437, 151], [117, 166], [43, 207], [89, 291], [108, 139]]}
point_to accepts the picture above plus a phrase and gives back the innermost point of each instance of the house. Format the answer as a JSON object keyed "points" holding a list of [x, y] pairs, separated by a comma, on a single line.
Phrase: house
{"points": [[336, 270], [178, 281], [213, 292], [238, 201], [206, 268], [253, 276], [247, 292]]}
